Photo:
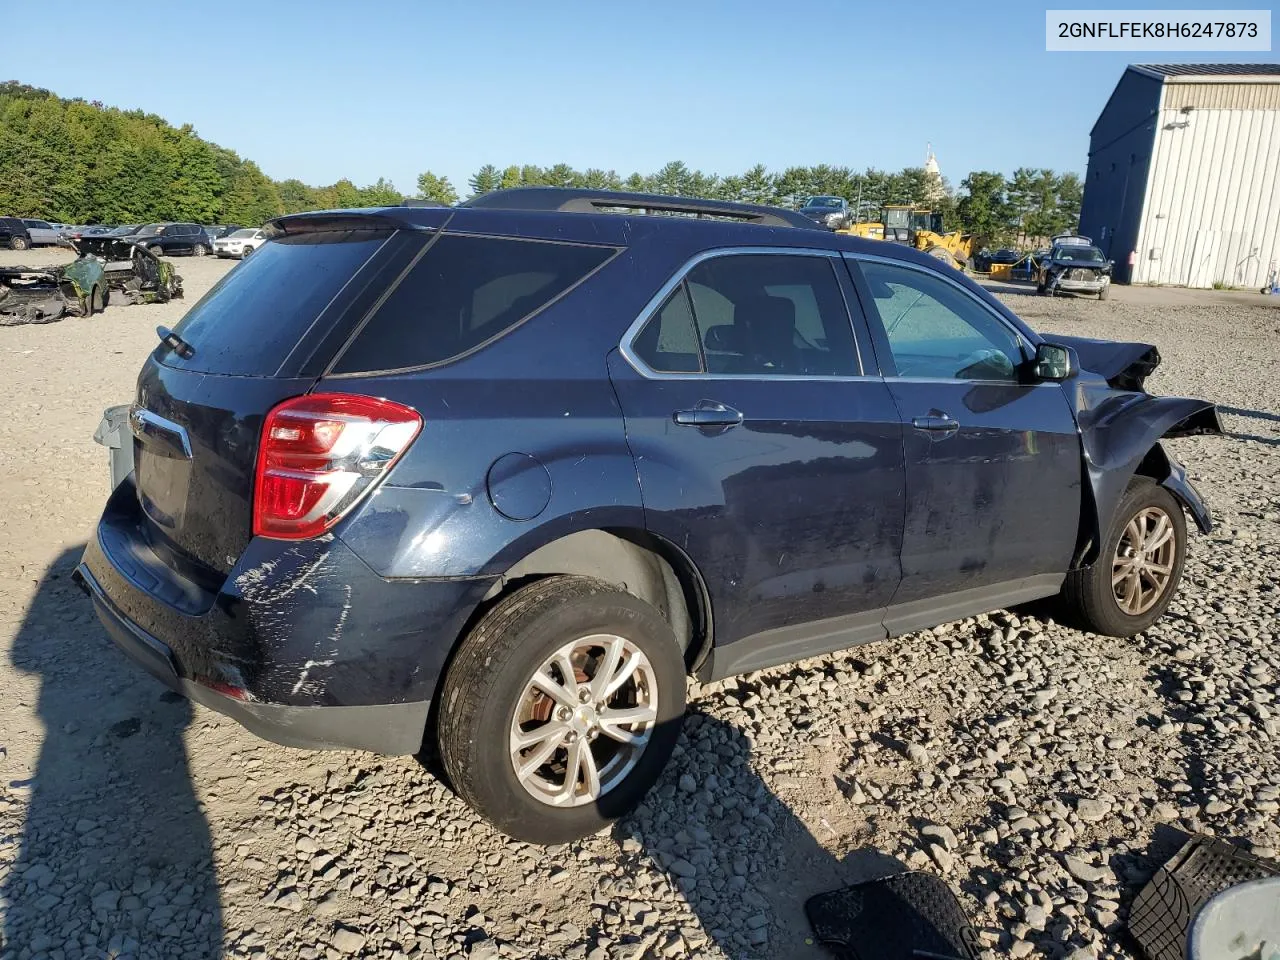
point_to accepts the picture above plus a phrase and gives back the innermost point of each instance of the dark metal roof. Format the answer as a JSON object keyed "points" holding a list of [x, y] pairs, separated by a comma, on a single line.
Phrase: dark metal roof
{"points": [[1207, 69]]}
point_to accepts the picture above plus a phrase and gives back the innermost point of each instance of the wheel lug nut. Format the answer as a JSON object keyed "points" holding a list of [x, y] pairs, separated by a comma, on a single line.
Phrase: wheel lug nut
{"points": [[584, 695], [562, 713]]}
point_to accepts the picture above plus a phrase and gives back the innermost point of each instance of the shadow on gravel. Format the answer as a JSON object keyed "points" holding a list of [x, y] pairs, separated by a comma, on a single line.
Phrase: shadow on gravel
{"points": [[743, 861], [115, 857], [1272, 440], [1255, 414]]}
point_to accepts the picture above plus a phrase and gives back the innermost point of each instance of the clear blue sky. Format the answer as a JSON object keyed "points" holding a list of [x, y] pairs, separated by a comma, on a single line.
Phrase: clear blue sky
{"points": [[322, 89]]}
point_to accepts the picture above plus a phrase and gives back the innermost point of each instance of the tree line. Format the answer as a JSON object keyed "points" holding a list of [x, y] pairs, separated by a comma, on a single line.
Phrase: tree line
{"points": [[76, 161]]}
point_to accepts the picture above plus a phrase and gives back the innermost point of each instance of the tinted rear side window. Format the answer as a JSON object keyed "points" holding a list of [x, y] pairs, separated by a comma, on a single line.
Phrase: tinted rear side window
{"points": [[464, 292], [253, 318]]}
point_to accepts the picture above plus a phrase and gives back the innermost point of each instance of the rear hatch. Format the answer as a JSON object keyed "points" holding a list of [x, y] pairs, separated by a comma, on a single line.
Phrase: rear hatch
{"points": [[263, 334]]}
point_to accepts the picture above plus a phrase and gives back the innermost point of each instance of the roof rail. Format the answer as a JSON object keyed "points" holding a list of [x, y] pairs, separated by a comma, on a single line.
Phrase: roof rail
{"points": [[579, 200]]}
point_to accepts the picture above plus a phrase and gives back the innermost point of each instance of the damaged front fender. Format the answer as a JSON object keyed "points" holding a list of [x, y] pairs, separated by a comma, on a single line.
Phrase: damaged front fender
{"points": [[1120, 435]]}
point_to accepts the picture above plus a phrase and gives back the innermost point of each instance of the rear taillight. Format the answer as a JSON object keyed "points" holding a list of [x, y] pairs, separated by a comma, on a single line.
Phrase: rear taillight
{"points": [[319, 455]]}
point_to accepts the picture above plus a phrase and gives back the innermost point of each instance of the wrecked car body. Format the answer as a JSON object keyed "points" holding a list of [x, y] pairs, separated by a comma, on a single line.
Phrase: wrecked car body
{"points": [[130, 268], [1121, 426], [84, 286], [1074, 265], [46, 294]]}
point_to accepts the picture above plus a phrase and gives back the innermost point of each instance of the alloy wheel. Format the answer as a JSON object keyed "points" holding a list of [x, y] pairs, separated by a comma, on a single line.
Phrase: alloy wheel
{"points": [[1144, 560], [583, 720]]}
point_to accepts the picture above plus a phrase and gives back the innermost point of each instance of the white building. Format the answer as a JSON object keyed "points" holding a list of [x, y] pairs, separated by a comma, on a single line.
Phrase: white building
{"points": [[1184, 175]]}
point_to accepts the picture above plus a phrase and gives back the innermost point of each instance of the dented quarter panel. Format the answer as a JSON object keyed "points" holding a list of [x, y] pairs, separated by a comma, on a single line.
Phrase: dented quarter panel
{"points": [[304, 623]]}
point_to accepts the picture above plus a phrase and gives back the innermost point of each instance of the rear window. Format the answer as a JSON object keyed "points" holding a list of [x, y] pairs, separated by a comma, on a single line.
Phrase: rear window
{"points": [[464, 292], [253, 318]]}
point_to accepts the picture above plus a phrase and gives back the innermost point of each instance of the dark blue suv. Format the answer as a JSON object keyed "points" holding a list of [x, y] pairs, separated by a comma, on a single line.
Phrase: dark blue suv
{"points": [[501, 476]]}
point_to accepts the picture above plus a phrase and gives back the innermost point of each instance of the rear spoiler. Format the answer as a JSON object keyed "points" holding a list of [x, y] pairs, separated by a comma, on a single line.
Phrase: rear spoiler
{"points": [[373, 218]]}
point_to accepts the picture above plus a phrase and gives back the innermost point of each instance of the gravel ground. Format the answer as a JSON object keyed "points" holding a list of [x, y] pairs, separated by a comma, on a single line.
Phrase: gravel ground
{"points": [[1043, 772]]}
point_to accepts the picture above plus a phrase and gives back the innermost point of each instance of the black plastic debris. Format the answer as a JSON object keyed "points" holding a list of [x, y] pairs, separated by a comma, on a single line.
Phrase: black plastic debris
{"points": [[910, 916], [1163, 911]]}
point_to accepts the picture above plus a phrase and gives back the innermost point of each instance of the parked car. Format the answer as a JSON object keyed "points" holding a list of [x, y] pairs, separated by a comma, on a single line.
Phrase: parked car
{"points": [[499, 476], [42, 232], [241, 243], [100, 230], [830, 212], [1074, 265], [218, 231], [173, 238], [125, 230], [14, 233]]}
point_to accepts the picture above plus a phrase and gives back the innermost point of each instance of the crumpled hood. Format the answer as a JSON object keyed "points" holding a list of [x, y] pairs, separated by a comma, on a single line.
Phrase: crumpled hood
{"points": [[1124, 365]]}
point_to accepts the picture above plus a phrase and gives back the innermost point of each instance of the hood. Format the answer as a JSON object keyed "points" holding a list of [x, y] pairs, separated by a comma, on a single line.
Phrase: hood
{"points": [[1124, 365]]}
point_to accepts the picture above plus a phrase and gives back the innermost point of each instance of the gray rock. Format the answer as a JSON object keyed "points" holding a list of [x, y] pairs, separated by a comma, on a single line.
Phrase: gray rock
{"points": [[346, 940], [1091, 811], [940, 834], [1083, 871], [683, 868]]}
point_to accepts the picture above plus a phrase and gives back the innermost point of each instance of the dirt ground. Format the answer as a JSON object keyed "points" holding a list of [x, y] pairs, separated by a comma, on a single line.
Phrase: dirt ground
{"points": [[133, 824]]}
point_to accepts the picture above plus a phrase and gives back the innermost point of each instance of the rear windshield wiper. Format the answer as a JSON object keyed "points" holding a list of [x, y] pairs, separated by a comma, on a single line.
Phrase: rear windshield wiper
{"points": [[170, 339]]}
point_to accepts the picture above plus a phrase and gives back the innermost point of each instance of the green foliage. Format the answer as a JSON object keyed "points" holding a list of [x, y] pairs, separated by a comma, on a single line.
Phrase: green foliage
{"points": [[485, 180], [431, 187], [79, 162]]}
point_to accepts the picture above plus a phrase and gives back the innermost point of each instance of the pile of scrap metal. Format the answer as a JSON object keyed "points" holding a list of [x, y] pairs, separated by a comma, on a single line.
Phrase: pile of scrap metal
{"points": [[84, 286]]}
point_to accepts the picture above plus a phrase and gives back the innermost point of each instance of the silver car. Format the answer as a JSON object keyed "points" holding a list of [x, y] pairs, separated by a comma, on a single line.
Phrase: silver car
{"points": [[43, 233]]}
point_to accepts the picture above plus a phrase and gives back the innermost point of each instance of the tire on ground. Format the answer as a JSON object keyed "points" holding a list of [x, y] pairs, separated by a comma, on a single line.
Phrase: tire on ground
{"points": [[486, 682], [1088, 597]]}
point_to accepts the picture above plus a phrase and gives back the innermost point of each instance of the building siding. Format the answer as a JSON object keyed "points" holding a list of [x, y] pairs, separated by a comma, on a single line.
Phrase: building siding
{"points": [[1213, 206], [1120, 150]]}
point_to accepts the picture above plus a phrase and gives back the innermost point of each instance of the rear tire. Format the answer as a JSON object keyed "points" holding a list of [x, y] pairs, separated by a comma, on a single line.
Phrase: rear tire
{"points": [[18, 243], [492, 710], [199, 250], [97, 300], [1093, 598], [1104, 293]]}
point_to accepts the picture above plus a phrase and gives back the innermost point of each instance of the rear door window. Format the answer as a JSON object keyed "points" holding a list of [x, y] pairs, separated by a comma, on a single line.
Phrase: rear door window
{"points": [[464, 292], [252, 319], [772, 315]]}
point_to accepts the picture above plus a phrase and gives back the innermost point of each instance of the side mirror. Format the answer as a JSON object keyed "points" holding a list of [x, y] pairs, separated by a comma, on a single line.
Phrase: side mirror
{"points": [[1055, 362]]}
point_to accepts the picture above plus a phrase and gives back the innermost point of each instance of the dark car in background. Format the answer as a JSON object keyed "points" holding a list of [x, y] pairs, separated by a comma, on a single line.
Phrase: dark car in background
{"points": [[14, 234], [1073, 265], [498, 477], [173, 239], [826, 211]]}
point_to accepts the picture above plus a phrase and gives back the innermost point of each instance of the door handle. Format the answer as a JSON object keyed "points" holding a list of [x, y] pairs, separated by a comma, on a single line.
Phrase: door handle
{"points": [[936, 423], [708, 413]]}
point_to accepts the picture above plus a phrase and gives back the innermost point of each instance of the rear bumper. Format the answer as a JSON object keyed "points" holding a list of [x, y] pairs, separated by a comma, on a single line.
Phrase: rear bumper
{"points": [[394, 728]]}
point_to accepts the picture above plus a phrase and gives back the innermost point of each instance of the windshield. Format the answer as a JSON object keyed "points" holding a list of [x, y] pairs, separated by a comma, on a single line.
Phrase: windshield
{"points": [[832, 202], [1079, 254], [242, 234], [125, 230], [151, 230]]}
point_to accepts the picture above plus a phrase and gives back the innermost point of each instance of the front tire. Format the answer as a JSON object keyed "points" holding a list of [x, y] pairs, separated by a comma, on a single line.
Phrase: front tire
{"points": [[1137, 572], [155, 250], [561, 709]]}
